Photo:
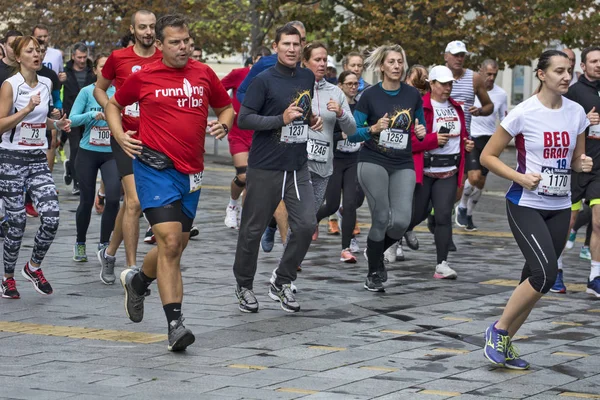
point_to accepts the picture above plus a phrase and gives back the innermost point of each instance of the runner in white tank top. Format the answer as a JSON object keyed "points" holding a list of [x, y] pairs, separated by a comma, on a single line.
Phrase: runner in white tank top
{"points": [[24, 103]]}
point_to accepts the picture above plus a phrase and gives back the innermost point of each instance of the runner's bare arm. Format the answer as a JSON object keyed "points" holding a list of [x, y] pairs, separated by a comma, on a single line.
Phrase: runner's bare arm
{"points": [[102, 85], [130, 146], [7, 122], [487, 107], [225, 116]]}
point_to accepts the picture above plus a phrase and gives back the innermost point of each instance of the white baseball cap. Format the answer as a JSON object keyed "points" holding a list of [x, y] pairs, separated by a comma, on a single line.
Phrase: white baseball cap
{"points": [[330, 62], [456, 47], [441, 73]]}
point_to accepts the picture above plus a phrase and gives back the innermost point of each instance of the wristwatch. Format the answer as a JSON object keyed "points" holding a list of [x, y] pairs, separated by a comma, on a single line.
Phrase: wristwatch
{"points": [[226, 128]]}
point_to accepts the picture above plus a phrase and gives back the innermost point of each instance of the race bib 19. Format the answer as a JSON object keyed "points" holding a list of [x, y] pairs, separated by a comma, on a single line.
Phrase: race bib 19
{"points": [[317, 150], [32, 134], [393, 139], [296, 132], [347, 147], [556, 182], [132, 110], [195, 181], [100, 136]]}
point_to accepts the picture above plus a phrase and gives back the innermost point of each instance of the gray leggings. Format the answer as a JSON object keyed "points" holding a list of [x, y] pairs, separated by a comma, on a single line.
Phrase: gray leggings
{"points": [[389, 195]]}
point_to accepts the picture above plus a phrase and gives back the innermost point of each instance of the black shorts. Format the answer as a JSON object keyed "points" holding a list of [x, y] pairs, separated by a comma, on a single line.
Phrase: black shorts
{"points": [[124, 162], [585, 186], [473, 163], [169, 213]]}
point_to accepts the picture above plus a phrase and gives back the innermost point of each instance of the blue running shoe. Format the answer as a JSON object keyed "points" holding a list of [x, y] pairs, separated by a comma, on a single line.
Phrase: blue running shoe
{"points": [[461, 217], [512, 358], [496, 344], [267, 241], [593, 287], [585, 253], [559, 285]]}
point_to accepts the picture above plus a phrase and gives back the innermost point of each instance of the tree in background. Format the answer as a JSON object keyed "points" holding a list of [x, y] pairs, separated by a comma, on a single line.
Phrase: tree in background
{"points": [[513, 31]]}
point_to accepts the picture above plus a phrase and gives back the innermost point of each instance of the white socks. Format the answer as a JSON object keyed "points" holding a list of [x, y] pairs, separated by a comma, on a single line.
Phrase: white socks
{"points": [[233, 203], [467, 191], [595, 270], [473, 199]]}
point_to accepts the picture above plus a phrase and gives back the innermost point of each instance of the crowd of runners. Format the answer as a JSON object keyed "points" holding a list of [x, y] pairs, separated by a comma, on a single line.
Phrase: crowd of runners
{"points": [[307, 145]]}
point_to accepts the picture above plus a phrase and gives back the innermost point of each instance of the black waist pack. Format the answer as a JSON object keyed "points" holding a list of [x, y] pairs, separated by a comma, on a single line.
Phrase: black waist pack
{"points": [[441, 160], [155, 159]]}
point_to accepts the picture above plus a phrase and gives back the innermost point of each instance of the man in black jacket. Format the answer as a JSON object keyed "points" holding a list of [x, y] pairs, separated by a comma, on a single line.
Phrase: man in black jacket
{"points": [[80, 74], [586, 186]]}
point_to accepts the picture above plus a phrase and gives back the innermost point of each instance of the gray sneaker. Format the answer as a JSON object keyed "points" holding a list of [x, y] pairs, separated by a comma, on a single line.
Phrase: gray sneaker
{"points": [[180, 337], [285, 297], [247, 300], [134, 303], [107, 271]]}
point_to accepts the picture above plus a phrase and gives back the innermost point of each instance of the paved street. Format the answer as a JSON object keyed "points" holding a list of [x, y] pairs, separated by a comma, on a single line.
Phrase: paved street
{"points": [[422, 339]]}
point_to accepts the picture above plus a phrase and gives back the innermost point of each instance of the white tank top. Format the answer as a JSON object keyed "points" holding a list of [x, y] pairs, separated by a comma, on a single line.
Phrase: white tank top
{"points": [[30, 133]]}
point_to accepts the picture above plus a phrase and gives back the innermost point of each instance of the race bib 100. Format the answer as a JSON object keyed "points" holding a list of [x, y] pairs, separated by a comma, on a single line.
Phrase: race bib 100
{"points": [[32, 134], [393, 139], [317, 150], [100, 136], [296, 132], [556, 182]]}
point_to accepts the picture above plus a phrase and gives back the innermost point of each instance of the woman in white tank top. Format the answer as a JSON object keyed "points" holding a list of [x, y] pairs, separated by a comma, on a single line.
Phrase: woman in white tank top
{"points": [[24, 103]]}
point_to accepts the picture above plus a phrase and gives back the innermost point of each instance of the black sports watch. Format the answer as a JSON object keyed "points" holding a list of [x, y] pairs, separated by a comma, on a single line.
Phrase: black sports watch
{"points": [[226, 128]]}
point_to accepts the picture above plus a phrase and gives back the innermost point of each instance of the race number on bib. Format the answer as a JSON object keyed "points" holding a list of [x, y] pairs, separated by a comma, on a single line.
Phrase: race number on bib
{"points": [[296, 132], [594, 132], [100, 136], [317, 150], [555, 182], [195, 181], [133, 110], [347, 147], [393, 139], [32, 134]]}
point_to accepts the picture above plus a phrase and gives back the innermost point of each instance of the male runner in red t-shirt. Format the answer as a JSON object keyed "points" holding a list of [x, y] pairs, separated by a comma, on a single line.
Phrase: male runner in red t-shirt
{"points": [[239, 141], [118, 67], [174, 95]]}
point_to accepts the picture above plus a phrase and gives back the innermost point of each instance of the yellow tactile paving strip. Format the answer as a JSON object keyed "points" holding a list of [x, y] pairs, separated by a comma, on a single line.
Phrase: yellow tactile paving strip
{"points": [[77, 332]]}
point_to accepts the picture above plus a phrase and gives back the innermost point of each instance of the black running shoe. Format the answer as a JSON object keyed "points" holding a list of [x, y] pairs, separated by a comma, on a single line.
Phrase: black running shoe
{"points": [[37, 278], [411, 240], [470, 225], [180, 337], [9, 289], [194, 231], [374, 284], [67, 178], [460, 216]]}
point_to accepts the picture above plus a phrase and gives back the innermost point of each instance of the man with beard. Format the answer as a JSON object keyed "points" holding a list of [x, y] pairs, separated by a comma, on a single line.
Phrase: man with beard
{"points": [[118, 67]]}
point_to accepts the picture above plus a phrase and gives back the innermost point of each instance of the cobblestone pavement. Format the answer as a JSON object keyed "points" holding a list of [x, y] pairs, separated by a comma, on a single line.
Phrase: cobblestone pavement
{"points": [[422, 339]]}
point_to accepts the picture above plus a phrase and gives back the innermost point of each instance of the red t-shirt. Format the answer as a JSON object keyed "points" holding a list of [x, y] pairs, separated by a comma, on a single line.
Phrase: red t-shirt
{"points": [[174, 109], [119, 65], [232, 81]]}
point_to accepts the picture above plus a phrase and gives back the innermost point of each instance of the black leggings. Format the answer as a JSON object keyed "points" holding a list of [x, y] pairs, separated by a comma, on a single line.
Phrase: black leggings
{"points": [[87, 165], [74, 139], [442, 193], [344, 178], [540, 235]]}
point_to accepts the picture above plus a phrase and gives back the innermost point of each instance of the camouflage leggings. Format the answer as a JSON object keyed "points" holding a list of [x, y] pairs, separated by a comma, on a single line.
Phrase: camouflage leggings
{"points": [[22, 171]]}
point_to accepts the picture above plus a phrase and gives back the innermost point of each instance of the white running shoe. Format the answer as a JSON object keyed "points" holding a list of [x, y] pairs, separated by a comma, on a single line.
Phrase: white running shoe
{"points": [[274, 276], [354, 246], [390, 254], [443, 271], [231, 220]]}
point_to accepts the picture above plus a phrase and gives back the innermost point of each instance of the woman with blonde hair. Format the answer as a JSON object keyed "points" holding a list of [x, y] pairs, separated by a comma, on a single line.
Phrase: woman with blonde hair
{"points": [[388, 115]]}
